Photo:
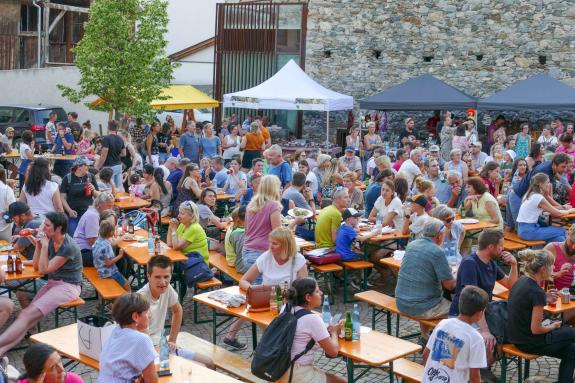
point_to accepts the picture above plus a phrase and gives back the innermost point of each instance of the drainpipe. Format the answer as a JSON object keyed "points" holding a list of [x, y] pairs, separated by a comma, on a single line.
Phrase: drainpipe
{"points": [[39, 25]]}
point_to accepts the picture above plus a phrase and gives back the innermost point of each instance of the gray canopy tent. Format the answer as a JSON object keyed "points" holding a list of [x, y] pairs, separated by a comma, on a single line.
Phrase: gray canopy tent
{"points": [[540, 92], [420, 93]]}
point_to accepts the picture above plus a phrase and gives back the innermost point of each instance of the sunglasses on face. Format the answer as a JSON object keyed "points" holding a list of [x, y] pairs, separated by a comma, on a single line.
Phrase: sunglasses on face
{"points": [[449, 220]]}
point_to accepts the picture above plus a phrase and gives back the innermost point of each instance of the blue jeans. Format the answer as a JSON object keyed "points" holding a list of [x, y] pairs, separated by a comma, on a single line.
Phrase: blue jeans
{"points": [[536, 232], [249, 258], [73, 224], [117, 176], [512, 209]]}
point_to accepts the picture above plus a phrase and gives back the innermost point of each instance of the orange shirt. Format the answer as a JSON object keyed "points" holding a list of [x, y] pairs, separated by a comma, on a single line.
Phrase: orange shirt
{"points": [[254, 141]]}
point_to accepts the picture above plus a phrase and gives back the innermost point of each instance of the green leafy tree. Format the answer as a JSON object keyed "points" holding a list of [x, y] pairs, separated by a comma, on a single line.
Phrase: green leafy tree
{"points": [[122, 56]]}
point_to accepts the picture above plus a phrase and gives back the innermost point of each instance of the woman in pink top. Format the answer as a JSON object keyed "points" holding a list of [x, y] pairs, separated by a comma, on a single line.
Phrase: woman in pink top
{"points": [[564, 258], [43, 364], [566, 145]]}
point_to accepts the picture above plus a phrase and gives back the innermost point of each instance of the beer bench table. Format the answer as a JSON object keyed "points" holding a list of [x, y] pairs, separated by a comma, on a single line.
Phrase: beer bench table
{"points": [[128, 203], [65, 341]]}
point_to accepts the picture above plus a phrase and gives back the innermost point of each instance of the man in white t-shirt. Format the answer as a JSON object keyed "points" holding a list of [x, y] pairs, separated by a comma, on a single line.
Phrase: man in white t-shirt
{"points": [[410, 168], [455, 351], [162, 297]]}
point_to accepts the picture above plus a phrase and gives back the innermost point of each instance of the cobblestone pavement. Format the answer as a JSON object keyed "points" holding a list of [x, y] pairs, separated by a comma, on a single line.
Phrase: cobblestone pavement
{"points": [[546, 367]]}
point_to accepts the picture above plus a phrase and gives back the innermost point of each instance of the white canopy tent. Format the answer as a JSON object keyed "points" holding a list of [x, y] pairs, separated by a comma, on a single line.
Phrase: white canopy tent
{"points": [[290, 89]]}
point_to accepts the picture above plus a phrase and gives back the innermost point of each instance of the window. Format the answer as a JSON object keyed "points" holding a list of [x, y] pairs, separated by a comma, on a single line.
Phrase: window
{"points": [[5, 115], [22, 115], [28, 18]]}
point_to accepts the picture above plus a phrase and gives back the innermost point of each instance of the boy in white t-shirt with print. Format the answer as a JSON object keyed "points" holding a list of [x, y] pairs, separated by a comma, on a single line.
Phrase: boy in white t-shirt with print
{"points": [[455, 351]]}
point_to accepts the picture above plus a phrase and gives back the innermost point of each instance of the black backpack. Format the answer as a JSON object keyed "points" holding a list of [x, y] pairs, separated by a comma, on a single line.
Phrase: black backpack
{"points": [[272, 357]]}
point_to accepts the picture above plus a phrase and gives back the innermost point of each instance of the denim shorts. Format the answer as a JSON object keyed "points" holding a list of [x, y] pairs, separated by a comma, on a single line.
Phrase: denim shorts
{"points": [[118, 277]]}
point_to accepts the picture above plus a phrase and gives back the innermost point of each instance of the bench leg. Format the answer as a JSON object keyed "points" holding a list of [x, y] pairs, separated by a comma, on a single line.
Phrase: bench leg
{"points": [[503, 376], [397, 326], [527, 365], [349, 365], [388, 314], [345, 300], [254, 335], [373, 313]]}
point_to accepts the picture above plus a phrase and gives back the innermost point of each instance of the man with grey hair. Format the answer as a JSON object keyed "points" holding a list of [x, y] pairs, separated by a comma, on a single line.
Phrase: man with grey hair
{"points": [[277, 166], [423, 275], [189, 143], [477, 156], [458, 192], [411, 167], [87, 230], [329, 220]]}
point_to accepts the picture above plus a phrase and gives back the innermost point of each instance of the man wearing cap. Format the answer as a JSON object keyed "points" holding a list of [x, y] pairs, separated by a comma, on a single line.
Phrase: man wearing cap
{"points": [[350, 162], [20, 213], [415, 216], [434, 154], [477, 156], [410, 168], [423, 275], [77, 191]]}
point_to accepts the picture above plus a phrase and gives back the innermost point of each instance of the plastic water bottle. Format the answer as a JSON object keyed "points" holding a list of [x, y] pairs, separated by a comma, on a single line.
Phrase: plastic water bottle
{"points": [[386, 147], [378, 220], [356, 322], [164, 353], [326, 311], [150, 240]]}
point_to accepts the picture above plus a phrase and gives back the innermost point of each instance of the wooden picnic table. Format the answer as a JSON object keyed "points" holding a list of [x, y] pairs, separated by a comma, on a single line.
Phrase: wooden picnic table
{"points": [[374, 349], [224, 196], [559, 308], [65, 341], [128, 203]]}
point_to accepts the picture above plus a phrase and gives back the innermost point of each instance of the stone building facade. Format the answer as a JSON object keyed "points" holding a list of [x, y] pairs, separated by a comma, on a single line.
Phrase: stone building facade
{"points": [[361, 47]]}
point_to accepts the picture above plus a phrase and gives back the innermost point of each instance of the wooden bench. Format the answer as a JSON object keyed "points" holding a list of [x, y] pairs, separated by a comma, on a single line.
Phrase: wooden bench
{"points": [[71, 306], [354, 265], [511, 246], [106, 288], [218, 261], [408, 371], [510, 351], [515, 238], [224, 360], [327, 273], [381, 303]]}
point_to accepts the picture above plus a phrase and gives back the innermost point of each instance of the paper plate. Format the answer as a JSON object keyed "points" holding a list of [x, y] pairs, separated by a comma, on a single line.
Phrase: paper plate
{"points": [[466, 221], [307, 214]]}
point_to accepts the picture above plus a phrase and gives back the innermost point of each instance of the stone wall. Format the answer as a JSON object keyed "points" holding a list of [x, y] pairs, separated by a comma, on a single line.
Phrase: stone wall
{"points": [[361, 47]]}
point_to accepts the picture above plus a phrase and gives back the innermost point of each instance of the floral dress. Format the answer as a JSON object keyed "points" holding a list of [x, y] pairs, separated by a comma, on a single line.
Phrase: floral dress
{"points": [[84, 148], [522, 146]]}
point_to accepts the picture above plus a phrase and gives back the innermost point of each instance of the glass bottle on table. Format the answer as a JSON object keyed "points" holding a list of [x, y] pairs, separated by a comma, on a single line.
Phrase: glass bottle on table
{"points": [[18, 266], [348, 326], [10, 264]]}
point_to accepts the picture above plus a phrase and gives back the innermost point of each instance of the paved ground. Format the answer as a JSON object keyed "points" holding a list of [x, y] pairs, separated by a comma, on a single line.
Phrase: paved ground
{"points": [[546, 367]]}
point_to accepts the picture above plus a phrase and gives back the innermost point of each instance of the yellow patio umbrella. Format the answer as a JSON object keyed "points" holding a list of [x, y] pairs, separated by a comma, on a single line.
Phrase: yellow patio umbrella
{"points": [[184, 97], [178, 97]]}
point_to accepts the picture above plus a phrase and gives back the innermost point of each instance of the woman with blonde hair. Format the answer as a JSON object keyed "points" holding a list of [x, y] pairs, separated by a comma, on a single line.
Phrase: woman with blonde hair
{"points": [[263, 214], [331, 179], [185, 233], [323, 163], [534, 203], [280, 263], [370, 140], [355, 195], [427, 188], [525, 309]]}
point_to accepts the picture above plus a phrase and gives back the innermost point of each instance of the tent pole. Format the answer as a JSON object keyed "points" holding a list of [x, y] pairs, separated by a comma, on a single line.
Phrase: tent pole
{"points": [[327, 133]]}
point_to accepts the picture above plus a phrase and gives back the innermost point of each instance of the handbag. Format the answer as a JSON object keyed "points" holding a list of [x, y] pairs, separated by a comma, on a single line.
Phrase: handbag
{"points": [[258, 298], [196, 270], [323, 256]]}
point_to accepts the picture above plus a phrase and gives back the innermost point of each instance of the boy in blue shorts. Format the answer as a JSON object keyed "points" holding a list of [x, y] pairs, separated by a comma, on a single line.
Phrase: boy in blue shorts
{"points": [[104, 257], [347, 234]]}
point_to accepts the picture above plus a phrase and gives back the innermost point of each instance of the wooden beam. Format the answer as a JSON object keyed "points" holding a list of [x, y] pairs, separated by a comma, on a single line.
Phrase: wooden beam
{"points": [[63, 7], [56, 20], [46, 34]]}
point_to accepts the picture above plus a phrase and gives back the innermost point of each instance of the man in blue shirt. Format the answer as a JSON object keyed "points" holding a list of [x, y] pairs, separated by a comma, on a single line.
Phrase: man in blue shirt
{"points": [[480, 269], [423, 275], [442, 188], [63, 145], [372, 193], [176, 171], [189, 144], [221, 172], [278, 167]]}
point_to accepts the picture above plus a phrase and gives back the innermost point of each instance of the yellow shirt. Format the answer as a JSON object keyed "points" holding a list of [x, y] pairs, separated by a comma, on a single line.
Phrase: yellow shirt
{"points": [[198, 241], [329, 219]]}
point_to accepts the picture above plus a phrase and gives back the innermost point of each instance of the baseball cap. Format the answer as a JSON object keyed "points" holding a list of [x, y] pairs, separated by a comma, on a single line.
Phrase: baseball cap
{"points": [[347, 213], [420, 200], [434, 148], [512, 154], [350, 149], [14, 209], [81, 161]]}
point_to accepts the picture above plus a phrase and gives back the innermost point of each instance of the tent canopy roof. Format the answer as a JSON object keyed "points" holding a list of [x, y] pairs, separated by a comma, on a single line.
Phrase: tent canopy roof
{"points": [[541, 92], [420, 93], [292, 89]]}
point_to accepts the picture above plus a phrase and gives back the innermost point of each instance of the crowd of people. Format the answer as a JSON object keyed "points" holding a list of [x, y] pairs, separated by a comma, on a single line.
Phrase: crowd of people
{"points": [[420, 188]]}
